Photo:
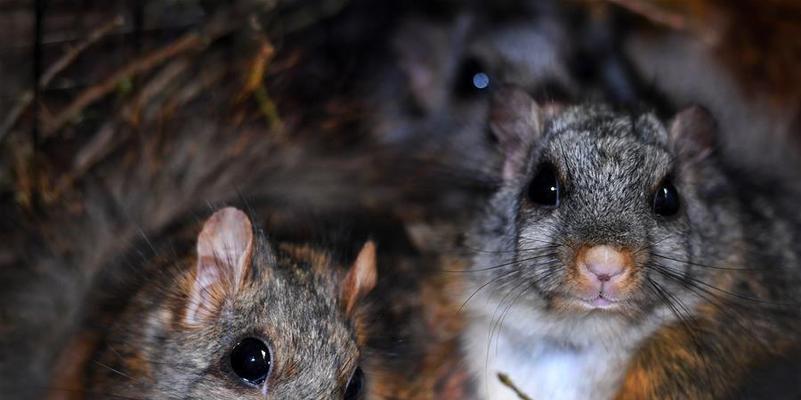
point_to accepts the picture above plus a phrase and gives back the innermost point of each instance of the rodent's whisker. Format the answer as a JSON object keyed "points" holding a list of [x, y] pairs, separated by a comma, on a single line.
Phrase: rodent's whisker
{"points": [[732, 311], [684, 317], [172, 365], [511, 304], [118, 372], [495, 321], [472, 250], [475, 292], [496, 328], [500, 278], [506, 264], [650, 246], [695, 264], [701, 285]]}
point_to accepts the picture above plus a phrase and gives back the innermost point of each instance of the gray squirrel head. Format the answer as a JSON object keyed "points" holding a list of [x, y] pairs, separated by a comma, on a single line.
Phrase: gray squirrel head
{"points": [[246, 321], [435, 95], [603, 217]]}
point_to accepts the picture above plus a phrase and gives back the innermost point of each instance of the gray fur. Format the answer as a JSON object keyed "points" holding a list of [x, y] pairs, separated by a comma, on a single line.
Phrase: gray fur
{"points": [[728, 229]]}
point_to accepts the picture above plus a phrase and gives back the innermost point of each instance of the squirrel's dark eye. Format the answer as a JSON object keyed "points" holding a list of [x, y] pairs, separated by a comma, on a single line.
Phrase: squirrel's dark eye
{"points": [[471, 79], [250, 360], [544, 188], [354, 389], [666, 200]]}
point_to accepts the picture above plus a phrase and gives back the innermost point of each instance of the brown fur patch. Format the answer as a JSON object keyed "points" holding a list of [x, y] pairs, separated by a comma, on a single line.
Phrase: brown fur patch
{"points": [[317, 258], [68, 376]]}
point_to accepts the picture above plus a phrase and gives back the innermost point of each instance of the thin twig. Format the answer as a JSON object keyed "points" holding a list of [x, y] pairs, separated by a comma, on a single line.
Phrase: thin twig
{"points": [[507, 381], [258, 67], [190, 41], [169, 75], [72, 54], [254, 86], [62, 63], [221, 24]]}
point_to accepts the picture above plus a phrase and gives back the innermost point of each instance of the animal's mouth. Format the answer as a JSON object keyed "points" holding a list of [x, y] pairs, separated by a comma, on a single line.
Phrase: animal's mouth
{"points": [[583, 304], [601, 302]]}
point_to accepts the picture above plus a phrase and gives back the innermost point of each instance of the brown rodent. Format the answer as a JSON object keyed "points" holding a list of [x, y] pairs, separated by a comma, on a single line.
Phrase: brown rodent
{"points": [[237, 319], [622, 258]]}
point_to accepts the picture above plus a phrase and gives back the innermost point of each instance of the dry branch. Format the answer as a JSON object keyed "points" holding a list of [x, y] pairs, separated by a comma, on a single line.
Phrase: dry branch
{"points": [[190, 41], [220, 24], [507, 381], [62, 63]]}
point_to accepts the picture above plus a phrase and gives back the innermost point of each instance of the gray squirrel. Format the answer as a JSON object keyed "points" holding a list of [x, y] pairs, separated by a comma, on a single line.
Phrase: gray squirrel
{"points": [[236, 318], [623, 259]]}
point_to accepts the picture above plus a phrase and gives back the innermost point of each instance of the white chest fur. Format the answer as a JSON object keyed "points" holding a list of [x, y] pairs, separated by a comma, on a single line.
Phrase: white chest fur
{"points": [[541, 368]]}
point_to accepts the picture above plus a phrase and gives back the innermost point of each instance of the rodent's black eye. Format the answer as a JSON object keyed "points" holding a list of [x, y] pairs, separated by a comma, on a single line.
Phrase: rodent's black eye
{"points": [[544, 188], [250, 360], [471, 79], [354, 389], [666, 200]]}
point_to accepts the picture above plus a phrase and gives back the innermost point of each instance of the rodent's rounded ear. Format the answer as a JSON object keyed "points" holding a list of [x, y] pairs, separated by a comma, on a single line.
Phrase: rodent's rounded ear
{"points": [[517, 122], [224, 253], [421, 49], [692, 133], [360, 279]]}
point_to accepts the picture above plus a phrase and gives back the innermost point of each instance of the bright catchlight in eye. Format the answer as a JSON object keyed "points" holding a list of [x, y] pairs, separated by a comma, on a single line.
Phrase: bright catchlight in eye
{"points": [[481, 80]]}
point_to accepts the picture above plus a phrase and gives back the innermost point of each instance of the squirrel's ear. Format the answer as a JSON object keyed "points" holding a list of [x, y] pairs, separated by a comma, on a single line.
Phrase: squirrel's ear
{"points": [[224, 252], [692, 133], [360, 279], [422, 51], [517, 122]]}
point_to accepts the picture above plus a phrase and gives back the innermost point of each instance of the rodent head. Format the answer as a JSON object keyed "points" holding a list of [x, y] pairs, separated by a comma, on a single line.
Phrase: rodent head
{"points": [[435, 94], [248, 321], [604, 218]]}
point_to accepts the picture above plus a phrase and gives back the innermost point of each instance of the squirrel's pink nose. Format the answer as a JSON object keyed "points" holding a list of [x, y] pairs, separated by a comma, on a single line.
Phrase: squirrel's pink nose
{"points": [[603, 262]]}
